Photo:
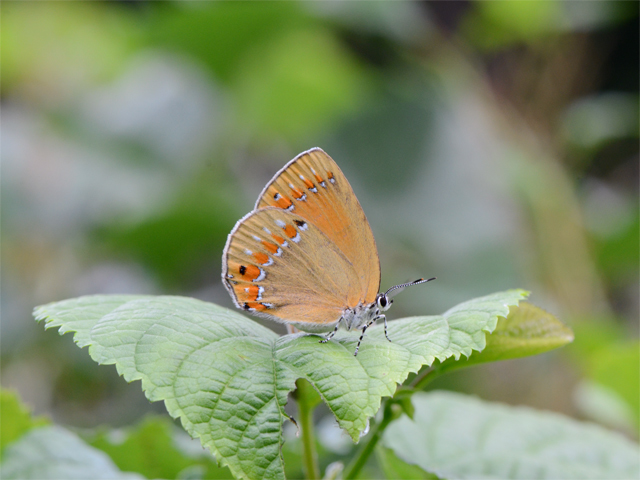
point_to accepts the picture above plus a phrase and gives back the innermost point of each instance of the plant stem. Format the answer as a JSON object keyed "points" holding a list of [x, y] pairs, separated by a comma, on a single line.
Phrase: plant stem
{"points": [[424, 379], [352, 470], [305, 411], [391, 412]]}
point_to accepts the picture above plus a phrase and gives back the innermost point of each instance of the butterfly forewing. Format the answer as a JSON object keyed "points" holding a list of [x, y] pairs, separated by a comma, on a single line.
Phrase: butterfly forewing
{"points": [[313, 187], [279, 265]]}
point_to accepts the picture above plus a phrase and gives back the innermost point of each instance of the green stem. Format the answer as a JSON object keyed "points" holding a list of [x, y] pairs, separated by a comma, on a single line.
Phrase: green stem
{"points": [[425, 378], [361, 457], [391, 411], [352, 470], [305, 411]]}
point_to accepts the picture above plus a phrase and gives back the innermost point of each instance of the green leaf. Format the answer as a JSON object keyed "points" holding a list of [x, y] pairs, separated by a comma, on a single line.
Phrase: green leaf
{"points": [[16, 418], [55, 453], [238, 26], [497, 24], [609, 357], [151, 449], [396, 469], [403, 399], [617, 367], [527, 330], [298, 85], [57, 28], [605, 406], [227, 378], [456, 436]]}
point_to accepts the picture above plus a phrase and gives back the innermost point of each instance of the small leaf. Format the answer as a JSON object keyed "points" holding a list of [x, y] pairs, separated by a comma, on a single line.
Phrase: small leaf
{"points": [[457, 436], [55, 453], [527, 330], [396, 469], [16, 418], [402, 398], [407, 407], [333, 472], [227, 378]]}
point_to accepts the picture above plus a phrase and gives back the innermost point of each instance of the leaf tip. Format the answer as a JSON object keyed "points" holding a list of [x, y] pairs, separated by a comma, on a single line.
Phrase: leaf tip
{"points": [[521, 293], [39, 313], [569, 336]]}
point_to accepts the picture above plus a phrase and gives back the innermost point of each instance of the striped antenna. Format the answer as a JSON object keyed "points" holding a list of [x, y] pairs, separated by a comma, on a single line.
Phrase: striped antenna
{"points": [[398, 288]]}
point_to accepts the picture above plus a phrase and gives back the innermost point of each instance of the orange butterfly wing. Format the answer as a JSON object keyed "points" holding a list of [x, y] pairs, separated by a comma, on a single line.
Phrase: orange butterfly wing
{"points": [[313, 186], [306, 253], [279, 266]]}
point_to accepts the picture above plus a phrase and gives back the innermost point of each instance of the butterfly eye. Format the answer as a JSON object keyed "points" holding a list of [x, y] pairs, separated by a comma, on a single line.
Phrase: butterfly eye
{"points": [[383, 302]]}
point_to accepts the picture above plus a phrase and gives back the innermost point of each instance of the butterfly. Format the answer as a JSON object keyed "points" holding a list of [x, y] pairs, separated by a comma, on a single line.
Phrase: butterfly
{"points": [[305, 255]]}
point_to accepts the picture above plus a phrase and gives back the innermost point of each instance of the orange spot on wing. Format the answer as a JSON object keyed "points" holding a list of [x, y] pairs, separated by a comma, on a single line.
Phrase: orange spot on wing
{"points": [[329, 175], [253, 292], [251, 272], [284, 202], [256, 305], [272, 247], [262, 258], [297, 194], [318, 178], [290, 231], [308, 183], [278, 238]]}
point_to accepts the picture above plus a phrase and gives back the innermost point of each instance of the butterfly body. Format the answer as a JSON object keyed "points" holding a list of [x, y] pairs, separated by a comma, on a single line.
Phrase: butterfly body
{"points": [[306, 255]]}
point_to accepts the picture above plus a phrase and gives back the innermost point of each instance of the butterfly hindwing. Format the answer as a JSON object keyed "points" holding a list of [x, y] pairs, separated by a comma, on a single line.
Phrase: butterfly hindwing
{"points": [[278, 265], [313, 187]]}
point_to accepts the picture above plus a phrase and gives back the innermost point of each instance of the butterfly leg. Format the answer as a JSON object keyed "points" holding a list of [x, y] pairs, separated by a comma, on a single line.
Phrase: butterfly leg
{"points": [[332, 333], [383, 317], [386, 334], [364, 329], [367, 326]]}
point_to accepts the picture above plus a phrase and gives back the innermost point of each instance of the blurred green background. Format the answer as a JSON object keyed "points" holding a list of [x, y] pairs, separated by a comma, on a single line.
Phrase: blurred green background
{"points": [[491, 144]]}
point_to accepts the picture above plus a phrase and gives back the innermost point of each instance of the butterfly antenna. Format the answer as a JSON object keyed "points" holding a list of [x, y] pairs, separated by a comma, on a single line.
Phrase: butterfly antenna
{"points": [[396, 289]]}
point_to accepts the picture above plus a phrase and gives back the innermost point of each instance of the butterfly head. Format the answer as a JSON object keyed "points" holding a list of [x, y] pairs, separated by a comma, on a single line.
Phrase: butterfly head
{"points": [[383, 302], [364, 314]]}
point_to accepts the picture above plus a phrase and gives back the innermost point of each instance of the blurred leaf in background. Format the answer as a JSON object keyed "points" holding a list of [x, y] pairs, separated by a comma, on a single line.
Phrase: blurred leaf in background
{"points": [[156, 448], [17, 419], [610, 363]]}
